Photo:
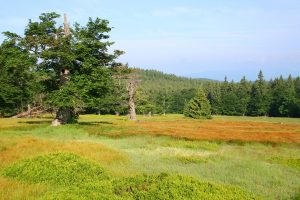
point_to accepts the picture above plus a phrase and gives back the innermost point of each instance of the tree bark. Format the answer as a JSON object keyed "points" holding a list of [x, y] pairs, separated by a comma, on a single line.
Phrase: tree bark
{"points": [[64, 116]]}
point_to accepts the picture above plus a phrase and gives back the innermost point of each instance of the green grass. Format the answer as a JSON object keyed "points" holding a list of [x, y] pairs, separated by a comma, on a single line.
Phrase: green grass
{"points": [[266, 170], [289, 162]]}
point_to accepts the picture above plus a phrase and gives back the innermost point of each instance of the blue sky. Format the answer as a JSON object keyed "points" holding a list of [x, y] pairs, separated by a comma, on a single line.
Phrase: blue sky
{"points": [[197, 38]]}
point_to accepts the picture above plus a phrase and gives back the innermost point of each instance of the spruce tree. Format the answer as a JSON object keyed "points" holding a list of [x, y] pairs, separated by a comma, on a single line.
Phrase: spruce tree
{"points": [[243, 94], [260, 99], [277, 93], [214, 97], [288, 107], [283, 98], [198, 107]]}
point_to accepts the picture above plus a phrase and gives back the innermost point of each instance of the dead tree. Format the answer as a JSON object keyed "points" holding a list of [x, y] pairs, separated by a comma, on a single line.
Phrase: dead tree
{"points": [[131, 89], [131, 81]]}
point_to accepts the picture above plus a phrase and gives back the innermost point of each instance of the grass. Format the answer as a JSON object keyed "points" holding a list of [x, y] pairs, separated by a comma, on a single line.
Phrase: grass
{"points": [[223, 152], [289, 162], [84, 179]]}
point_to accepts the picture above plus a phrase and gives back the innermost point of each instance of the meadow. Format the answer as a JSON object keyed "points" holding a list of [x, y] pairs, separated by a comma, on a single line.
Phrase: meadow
{"points": [[110, 157]]}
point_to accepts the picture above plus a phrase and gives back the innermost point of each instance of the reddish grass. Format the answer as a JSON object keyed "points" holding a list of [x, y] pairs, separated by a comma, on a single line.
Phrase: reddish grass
{"points": [[219, 130]]}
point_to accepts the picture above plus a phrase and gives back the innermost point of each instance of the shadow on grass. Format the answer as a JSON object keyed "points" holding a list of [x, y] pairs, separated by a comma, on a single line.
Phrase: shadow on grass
{"points": [[36, 122], [93, 123]]}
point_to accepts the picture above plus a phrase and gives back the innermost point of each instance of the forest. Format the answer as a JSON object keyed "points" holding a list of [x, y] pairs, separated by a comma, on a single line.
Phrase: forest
{"points": [[163, 93]]}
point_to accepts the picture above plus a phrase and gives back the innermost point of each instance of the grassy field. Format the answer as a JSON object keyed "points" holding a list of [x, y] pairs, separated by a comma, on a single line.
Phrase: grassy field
{"points": [[250, 156]]}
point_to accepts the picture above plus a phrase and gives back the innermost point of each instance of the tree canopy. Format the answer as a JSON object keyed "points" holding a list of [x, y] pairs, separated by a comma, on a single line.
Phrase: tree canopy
{"points": [[74, 70]]}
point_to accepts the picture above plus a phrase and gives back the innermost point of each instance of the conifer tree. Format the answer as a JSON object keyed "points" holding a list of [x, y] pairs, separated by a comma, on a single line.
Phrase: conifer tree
{"points": [[243, 94], [288, 107], [260, 99], [198, 107], [214, 97]]}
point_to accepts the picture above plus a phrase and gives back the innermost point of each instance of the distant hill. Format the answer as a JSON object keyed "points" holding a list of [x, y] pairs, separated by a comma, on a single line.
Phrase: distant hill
{"points": [[153, 81]]}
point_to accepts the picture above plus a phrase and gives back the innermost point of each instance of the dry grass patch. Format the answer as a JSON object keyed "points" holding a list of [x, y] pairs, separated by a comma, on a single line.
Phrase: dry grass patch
{"points": [[15, 190], [30, 146], [22, 123]]}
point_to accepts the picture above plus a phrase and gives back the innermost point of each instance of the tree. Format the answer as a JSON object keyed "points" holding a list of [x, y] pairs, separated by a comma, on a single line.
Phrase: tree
{"points": [[297, 87], [73, 61], [283, 98], [214, 97], [260, 99], [289, 107], [17, 82], [143, 104], [198, 107], [180, 99], [297, 103], [243, 93], [131, 89]]}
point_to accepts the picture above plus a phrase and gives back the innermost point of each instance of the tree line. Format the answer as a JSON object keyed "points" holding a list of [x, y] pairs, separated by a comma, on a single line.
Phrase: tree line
{"points": [[162, 93]]}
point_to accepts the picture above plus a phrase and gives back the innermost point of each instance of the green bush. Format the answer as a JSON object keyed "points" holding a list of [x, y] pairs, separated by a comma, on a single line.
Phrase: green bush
{"points": [[60, 168]]}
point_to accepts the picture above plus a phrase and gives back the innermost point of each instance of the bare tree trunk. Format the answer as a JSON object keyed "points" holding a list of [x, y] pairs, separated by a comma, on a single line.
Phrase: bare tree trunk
{"points": [[27, 113], [131, 89]]}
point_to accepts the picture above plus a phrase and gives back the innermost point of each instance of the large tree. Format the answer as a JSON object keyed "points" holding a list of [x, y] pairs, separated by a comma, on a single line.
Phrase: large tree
{"points": [[73, 62]]}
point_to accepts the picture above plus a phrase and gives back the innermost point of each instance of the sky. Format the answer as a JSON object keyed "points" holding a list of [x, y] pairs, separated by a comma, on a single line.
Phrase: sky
{"points": [[194, 38]]}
